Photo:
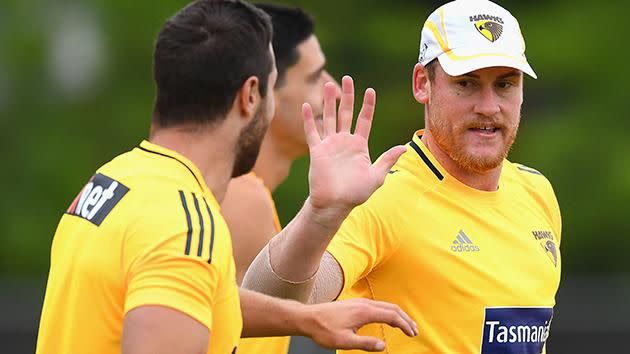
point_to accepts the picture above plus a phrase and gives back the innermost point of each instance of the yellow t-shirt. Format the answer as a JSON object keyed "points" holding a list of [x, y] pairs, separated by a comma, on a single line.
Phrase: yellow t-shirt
{"points": [[145, 230], [478, 271], [266, 345]]}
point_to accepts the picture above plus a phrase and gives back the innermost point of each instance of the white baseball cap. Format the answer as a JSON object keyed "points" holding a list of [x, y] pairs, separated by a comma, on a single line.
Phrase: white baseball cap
{"points": [[467, 35]]}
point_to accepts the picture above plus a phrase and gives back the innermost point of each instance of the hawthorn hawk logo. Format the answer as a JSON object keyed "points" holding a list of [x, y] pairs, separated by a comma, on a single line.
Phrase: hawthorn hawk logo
{"points": [[490, 29]]}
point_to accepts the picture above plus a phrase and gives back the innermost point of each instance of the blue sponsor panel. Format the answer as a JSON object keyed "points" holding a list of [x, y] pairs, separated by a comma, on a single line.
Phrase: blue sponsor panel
{"points": [[515, 330]]}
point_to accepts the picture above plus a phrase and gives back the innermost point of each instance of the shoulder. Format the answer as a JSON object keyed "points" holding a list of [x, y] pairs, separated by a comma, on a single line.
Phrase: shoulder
{"points": [[178, 224], [248, 186], [250, 215], [537, 187], [154, 184], [247, 193], [170, 211], [532, 180], [118, 195], [161, 210]]}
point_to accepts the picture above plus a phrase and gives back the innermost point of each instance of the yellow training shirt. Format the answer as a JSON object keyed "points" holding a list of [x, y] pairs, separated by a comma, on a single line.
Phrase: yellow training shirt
{"points": [[145, 230], [266, 345], [478, 271]]}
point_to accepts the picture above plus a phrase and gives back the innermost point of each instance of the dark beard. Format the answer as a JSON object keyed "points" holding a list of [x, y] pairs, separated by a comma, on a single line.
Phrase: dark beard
{"points": [[248, 145]]}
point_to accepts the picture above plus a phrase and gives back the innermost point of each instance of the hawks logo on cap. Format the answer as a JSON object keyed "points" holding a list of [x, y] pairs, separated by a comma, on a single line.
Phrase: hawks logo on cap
{"points": [[489, 29], [489, 26]]}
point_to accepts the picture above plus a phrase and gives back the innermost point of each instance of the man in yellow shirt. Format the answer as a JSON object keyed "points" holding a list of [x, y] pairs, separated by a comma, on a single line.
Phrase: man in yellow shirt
{"points": [[141, 261], [464, 240], [248, 207]]}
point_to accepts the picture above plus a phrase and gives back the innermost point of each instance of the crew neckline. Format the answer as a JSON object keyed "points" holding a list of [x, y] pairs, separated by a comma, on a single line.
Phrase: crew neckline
{"points": [[159, 150]]}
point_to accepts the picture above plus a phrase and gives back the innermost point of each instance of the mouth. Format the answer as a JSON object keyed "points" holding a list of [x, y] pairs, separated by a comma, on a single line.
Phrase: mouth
{"points": [[485, 130]]}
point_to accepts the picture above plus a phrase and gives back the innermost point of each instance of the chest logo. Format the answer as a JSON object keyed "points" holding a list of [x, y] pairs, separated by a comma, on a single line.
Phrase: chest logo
{"points": [[463, 244], [552, 252], [548, 245]]}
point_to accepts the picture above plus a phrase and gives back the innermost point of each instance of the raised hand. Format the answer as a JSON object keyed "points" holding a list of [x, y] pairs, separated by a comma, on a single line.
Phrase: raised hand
{"points": [[341, 174]]}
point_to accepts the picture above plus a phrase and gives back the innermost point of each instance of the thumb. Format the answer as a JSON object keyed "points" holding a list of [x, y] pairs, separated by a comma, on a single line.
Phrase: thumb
{"points": [[369, 344], [386, 161]]}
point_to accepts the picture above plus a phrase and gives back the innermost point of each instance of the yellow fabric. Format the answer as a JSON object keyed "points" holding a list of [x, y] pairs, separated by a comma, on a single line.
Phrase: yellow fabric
{"points": [[148, 250], [269, 345], [266, 345], [403, 246]]}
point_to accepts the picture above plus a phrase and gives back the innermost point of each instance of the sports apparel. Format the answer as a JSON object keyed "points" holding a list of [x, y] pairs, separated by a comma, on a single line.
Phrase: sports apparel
{"points": [[467, 35], [267, 345], [478, 271], [145, 230]]}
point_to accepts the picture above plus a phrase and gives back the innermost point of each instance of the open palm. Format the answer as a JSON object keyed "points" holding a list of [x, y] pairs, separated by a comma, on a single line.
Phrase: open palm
{"points": [[341, 174]]}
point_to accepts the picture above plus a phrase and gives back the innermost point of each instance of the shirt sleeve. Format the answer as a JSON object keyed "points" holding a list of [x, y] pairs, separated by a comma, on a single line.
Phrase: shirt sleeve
{"points": [[366, 238], [557, 218], [554, 210], [161, 262]]}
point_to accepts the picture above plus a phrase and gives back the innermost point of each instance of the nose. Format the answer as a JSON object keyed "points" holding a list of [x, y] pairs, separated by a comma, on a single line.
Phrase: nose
{"points": [[488, 104]]}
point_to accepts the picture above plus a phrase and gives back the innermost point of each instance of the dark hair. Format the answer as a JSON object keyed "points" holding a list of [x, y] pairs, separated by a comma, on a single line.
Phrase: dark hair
{"points": [[291, 26], [202, 57], [430, 68]]}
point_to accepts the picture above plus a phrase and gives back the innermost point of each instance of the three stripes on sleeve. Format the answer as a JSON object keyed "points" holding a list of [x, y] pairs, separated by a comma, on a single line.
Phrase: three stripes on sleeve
{"points": [[200, 210]]}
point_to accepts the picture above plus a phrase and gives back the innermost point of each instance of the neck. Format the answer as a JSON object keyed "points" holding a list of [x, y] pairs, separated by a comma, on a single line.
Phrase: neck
{"points": [[484, 181], [274, 162], [206, 149]]}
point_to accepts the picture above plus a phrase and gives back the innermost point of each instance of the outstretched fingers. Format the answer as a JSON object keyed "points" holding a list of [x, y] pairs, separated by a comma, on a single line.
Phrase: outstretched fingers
{"points": [[364, 120], [330, 109], [310, 129], [346, 105]]}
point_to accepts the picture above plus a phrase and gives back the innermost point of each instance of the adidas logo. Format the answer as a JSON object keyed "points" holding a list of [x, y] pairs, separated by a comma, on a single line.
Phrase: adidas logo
{"points": [[463, 244]]}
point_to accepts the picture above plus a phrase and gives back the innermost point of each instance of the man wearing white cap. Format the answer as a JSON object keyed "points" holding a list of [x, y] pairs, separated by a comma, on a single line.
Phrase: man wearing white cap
{"points": [[462, 239]]}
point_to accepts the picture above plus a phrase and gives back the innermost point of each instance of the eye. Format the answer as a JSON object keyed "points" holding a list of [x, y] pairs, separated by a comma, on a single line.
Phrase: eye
{"points": [[313, 79], [504, 84], [464, 83]]}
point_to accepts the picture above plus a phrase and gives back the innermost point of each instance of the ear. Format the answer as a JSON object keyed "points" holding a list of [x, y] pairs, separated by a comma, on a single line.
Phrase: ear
{"points": [[421, 84], [248, 97]]}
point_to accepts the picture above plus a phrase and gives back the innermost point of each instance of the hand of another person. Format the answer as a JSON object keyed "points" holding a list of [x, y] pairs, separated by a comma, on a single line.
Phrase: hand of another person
{"points": [[334, 324], [341, 174]]}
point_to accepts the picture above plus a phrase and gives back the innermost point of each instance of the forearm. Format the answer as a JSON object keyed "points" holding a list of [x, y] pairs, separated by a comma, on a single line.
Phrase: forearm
{"points": [[266, 316], [295, 261], [325, 286], [296, 252]]}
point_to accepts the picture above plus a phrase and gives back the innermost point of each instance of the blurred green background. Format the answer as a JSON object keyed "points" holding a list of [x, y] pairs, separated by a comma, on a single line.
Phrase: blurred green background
{"points": [[76, 90]]}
